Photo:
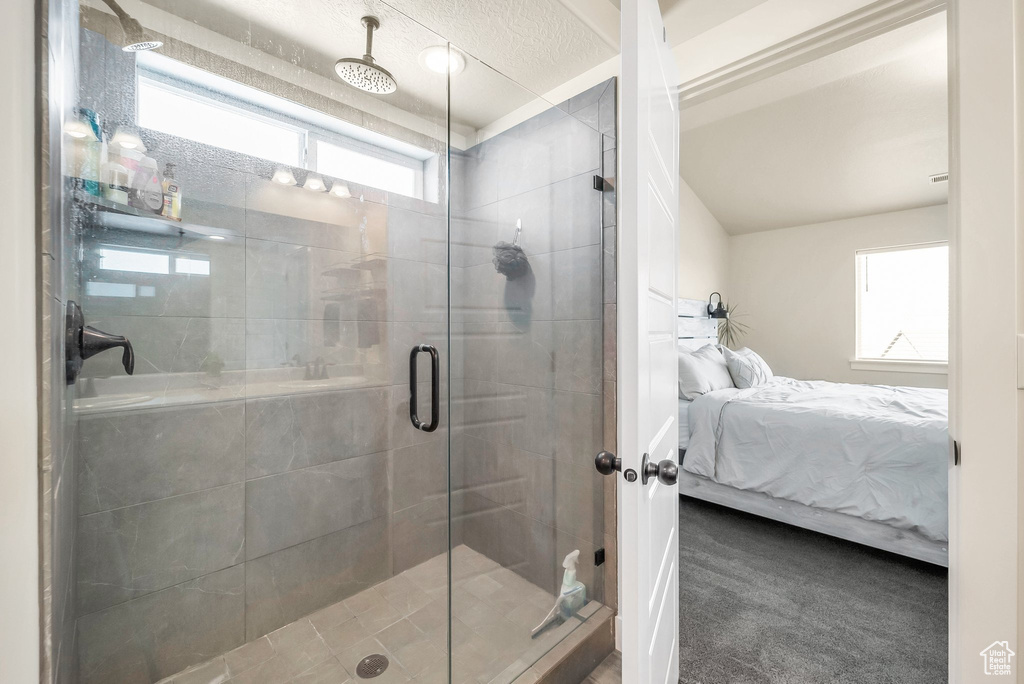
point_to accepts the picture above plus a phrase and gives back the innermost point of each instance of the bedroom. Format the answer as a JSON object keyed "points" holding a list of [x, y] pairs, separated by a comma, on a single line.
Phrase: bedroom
{"points": [[813, 481]]}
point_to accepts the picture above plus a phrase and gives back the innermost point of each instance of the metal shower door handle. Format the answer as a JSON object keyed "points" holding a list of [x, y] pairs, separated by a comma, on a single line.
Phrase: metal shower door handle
{"points": [[435, 387]]}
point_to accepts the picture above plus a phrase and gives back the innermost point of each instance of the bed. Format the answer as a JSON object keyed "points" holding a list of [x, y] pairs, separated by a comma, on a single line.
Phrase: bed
{"points": [[867, 463]]}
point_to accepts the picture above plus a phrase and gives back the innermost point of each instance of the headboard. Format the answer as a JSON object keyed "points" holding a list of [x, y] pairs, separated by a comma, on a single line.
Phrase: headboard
{"points": [[695, 329]]}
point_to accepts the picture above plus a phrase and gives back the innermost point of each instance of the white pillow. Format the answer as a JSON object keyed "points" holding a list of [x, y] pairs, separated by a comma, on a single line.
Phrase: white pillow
{"points": [[702, 371], [746, 367]]}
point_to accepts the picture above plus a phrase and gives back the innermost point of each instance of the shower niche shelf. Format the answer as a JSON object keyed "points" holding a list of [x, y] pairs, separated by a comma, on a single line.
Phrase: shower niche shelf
{"points": [[102, 214]]}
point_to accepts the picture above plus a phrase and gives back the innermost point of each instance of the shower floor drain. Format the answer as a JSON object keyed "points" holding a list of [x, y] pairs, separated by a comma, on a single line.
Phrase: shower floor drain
{"points": [[372, 666]]}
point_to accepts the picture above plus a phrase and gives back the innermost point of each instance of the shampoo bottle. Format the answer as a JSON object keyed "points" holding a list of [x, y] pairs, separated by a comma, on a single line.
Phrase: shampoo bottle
{"points": [[172, 194], [574, 595]]}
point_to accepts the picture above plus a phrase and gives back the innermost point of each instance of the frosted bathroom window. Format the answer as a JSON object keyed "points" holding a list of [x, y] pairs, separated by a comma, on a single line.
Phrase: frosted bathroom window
{"points": [[903, 303], [166, 109], [377, 172]]}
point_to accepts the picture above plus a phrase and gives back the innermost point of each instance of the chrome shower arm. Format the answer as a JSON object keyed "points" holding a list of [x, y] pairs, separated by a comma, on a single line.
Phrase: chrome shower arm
{"points": [[371, 25]]}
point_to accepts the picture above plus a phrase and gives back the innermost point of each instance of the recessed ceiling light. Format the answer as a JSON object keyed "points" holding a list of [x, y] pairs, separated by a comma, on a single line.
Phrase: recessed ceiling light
{"points": [[217, 237], [439, 59]]}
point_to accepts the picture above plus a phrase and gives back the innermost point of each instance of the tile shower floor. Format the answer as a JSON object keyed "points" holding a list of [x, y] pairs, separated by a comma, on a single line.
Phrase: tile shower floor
{"points": [[405, 619]]}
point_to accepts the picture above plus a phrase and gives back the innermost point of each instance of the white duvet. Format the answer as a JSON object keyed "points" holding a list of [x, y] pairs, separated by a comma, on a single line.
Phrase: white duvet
{"points": [[872, 451]]}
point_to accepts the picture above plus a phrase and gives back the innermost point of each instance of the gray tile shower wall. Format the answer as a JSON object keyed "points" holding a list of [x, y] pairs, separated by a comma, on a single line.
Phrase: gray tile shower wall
{"points": [[532, 396], [229, 487]]}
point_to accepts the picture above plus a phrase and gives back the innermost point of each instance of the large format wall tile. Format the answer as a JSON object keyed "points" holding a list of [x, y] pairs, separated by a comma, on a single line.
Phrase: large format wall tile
{"points": [[418, 291], [419, 533], [128, 552], [148, 638], [287, 433], [401, 431], [563, 215], [563, 285], [512, 478], [563, 355], [553, 423], [203, 278], [288, 508], [356, 350], [279, 213], [475, 176], [134, 456], [299, 580], [568, 284], [474, 232], [418, 473], [300, 282], [417, 236], [169, 345], [545, 150]]}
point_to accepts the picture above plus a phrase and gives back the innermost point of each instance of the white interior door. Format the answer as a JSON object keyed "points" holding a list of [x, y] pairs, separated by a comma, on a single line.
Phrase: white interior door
{"points": [[647, 363]]}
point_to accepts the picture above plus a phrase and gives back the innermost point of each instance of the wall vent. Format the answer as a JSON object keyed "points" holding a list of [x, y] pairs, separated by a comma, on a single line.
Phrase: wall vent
{"points": [[939, 178]]}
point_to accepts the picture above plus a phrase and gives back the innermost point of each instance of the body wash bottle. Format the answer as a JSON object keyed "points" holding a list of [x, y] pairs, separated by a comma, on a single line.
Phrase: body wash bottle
{"points": [[172, 194]]}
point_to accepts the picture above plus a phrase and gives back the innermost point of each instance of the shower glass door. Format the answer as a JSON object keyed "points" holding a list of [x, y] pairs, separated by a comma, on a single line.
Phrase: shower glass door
{"points": [[533, 331], [329, 366], [246, 496]]}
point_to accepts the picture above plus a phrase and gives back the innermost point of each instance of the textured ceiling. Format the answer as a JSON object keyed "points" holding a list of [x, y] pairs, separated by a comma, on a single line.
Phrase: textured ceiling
{"points": [[685, 19], [538, 43], [854, 133]]}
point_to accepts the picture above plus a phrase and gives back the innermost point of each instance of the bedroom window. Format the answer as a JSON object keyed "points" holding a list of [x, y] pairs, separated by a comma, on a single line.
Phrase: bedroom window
{"points": [[903, 305]]}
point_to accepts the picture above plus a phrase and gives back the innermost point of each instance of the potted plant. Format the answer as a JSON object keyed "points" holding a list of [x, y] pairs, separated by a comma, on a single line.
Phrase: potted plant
{"points": [[730, 330]]}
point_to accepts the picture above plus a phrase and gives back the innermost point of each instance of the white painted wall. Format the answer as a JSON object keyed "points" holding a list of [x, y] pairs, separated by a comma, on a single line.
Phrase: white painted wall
{"points": [[703, 249], [19, 543], [796, 289]]}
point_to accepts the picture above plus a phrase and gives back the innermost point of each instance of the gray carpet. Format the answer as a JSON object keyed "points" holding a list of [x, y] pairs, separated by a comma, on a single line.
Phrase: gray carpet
{"points": [[764, 602]]}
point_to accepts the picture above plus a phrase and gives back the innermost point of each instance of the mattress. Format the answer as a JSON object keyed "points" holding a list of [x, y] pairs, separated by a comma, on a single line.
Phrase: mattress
{"points": [[876, 452], [684, 423]]}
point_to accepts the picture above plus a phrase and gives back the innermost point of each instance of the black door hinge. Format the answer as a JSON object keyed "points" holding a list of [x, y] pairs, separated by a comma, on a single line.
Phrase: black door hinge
{"points": [[599, 557], [956, 453], [599, 183]]}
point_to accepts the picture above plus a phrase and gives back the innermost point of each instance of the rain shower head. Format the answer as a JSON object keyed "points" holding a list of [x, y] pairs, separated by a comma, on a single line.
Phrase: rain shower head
{"points": [[364, 73], [135, 38]]}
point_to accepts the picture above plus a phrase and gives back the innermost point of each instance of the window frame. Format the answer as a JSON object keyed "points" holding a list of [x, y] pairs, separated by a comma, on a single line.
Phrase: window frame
{"points": [[870, 363], [310, 132]]}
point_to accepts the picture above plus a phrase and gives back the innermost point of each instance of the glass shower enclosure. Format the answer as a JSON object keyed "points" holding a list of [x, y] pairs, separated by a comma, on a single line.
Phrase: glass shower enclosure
{"points": [[329, 366]]}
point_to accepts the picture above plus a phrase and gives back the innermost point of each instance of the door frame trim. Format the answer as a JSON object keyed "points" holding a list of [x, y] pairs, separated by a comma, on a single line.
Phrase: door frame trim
{"points": [[833, 36]]}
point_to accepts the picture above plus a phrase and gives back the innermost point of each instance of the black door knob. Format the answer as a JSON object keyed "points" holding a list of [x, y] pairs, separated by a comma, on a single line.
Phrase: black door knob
{"points": [[607, 463], [666, 471]]}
